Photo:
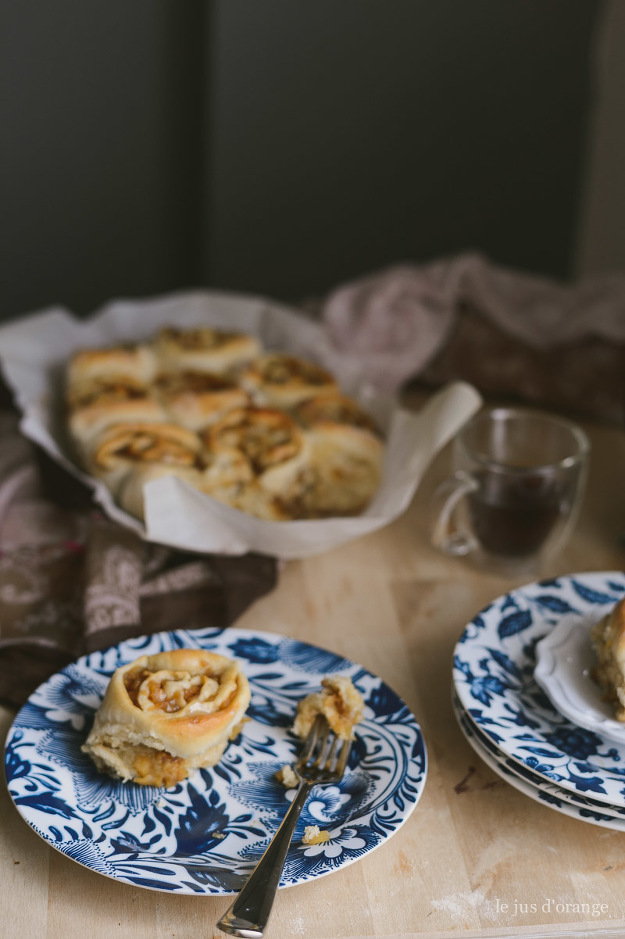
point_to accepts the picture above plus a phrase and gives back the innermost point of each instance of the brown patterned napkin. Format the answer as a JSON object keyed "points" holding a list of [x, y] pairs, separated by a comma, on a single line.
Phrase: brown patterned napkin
{"points": [[72, 581]]}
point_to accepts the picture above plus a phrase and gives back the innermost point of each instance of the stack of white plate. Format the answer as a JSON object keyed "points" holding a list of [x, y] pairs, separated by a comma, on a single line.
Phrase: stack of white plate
{"points": [[525, 700]]}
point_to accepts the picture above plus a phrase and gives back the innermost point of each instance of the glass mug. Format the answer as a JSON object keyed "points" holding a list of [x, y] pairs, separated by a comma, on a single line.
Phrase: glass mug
{"points": [[516, 489]]}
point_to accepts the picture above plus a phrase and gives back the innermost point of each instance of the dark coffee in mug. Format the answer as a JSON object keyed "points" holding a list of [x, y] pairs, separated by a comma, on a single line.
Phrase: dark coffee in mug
{"points": [[512, 516]]}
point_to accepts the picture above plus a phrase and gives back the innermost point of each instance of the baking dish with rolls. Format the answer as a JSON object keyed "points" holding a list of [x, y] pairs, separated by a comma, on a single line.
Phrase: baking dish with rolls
{"points": [[267, 433], [222, 423]]}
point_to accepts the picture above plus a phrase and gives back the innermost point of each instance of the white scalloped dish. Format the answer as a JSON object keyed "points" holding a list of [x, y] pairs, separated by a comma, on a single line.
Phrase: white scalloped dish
{"points": [[564, 660]]}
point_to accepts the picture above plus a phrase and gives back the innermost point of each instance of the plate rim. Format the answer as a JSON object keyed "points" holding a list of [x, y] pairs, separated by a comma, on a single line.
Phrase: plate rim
{"points": [[531, 776], [561, 805]]}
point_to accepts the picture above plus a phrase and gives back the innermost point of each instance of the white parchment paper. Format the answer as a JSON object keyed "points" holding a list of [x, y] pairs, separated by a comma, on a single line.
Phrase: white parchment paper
{"points": [[35, 349]]}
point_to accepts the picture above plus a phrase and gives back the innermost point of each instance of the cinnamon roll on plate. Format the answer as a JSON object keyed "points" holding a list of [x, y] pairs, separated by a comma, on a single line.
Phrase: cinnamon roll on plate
{"points": [[165, 715]]}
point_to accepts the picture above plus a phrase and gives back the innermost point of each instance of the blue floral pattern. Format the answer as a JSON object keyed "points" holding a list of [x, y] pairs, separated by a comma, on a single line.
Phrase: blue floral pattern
{"points": [[493, 673], [550, 794], [205, 835], [536, 775]]}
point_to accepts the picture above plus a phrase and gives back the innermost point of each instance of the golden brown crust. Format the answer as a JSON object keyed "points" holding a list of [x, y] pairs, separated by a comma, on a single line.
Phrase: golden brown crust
{"points": [[140, 443], [204, 349], [126, 456], [134, 360], [343, 473], [166, 714], [198, 399], [264, 445], [280, 380], [266, 437], [95, 403], [331, 408], [608, 640]]}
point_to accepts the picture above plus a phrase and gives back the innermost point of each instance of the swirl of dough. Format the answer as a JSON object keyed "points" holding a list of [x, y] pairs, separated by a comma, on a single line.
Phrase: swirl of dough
{"points": [[204, 349], [277, 379], [128, 455], [197, 399], [164, 715], [266, 440], [95, 403], [331, 408]]}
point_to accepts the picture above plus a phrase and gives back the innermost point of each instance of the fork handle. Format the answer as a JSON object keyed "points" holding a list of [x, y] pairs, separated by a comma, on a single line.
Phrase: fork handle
{"points": [[247, 916]]}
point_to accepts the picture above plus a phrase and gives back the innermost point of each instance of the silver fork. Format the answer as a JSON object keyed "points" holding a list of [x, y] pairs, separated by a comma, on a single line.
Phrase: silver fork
{"points": [[323, 760]]}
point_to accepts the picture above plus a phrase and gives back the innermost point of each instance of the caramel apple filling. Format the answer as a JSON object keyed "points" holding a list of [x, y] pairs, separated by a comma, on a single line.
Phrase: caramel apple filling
{"points": [[147, 443], [173, 691], [335, 409], [159, 768], [151, 448], [340, 703]]}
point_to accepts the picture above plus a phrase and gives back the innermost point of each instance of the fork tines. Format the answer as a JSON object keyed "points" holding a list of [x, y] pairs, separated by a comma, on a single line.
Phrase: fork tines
{"points": [[324, 752]]}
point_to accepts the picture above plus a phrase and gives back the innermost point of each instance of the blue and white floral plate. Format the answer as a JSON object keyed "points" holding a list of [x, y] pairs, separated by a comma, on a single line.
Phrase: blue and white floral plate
{"points": [[493, 675], [590, 809], [548, 794], [205, 835]]}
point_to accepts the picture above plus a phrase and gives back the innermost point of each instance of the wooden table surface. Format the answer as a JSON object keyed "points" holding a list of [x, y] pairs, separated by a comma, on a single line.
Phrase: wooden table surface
{"points": [[476, 857]]}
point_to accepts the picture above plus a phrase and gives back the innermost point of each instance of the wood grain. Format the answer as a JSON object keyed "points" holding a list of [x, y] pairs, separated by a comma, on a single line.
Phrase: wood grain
{"points": [[476, 857]]}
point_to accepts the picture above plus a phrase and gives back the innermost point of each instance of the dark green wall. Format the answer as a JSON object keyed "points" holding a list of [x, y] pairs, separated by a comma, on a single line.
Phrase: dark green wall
{"points": [[279, 146], [349, 135]]}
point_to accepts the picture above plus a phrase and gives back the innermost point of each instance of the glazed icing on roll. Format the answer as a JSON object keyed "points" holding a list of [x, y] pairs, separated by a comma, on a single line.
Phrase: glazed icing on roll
{"points": [[166, 715]]}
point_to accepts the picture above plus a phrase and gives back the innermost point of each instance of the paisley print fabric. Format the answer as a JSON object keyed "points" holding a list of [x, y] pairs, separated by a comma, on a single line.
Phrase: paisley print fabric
{"points": [[72, 581]]}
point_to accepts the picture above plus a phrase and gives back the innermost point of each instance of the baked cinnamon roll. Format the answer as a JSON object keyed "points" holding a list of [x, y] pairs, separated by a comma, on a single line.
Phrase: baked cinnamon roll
{"points": [[332, 408], [132, 361], [198, 399], [126, 456], [204, 349], [276, 379], [345, 472], [608, 642], [270, 434], [95, 403], [264, 444], [165, 715]]}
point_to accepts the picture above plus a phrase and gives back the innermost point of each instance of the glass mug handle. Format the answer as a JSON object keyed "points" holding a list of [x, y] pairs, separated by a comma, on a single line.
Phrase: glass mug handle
{"points": [[449, 534]]}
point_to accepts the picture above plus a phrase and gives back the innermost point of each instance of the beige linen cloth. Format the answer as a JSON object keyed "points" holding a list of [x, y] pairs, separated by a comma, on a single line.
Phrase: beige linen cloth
{"points": [[72, 581]]}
